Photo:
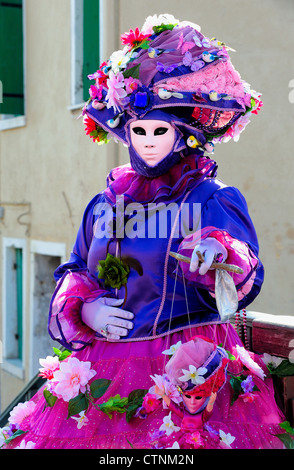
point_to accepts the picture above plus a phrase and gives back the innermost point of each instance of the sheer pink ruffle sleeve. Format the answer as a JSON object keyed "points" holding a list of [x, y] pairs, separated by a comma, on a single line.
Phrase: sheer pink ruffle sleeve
{"points": [[239, 254], [65, 324]]}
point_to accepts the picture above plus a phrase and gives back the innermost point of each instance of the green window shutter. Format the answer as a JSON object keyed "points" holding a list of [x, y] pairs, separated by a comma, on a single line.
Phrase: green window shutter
{"points": [[11, 57], [18, 258], [91, 59]]}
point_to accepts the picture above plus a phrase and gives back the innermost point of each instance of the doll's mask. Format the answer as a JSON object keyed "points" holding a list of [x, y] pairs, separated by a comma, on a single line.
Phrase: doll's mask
{"points": [[193, 402]]}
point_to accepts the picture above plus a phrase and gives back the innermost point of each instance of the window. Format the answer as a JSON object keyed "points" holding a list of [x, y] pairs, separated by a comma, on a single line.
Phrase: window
{"points": [[85, 47], [12, 58], [13, 302], [90, 42], [45, 257]]}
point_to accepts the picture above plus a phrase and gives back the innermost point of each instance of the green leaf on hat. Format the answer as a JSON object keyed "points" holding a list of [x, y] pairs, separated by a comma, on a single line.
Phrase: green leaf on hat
{"points": [[163, 27], [132, 72]]}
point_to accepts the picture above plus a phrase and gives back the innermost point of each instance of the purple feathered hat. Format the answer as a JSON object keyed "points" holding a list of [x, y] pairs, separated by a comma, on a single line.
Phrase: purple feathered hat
{"points": [[170, 66]]}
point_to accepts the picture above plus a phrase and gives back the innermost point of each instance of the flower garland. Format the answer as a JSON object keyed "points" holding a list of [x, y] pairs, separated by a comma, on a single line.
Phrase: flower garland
{"points": [[73, 382]]}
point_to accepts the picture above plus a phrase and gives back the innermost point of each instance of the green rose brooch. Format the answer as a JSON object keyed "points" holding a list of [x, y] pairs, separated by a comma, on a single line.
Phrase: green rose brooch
{"points": [[115, 271]]}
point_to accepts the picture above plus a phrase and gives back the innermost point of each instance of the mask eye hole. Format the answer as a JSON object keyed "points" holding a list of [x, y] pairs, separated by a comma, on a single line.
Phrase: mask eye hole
{"points": [[190, 396], [139, 130], [160, 131]]}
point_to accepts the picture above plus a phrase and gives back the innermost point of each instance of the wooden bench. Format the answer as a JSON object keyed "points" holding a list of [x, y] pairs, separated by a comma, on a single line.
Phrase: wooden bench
{"points": [[274, 334]]}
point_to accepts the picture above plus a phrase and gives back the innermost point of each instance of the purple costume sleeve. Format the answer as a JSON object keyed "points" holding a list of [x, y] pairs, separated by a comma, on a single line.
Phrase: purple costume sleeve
{"points": [[225, 217], [65, 324]]}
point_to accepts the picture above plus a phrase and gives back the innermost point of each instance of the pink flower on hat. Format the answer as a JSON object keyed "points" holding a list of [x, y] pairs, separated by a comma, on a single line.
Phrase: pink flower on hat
{"points": [[116, 90], [209, 73], [132, 84], [235, 130], [95, 92]]}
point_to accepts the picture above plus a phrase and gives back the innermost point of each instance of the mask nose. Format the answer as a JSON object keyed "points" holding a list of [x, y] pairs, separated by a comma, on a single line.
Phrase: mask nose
{"points": [[193, 400], [149, 140]]}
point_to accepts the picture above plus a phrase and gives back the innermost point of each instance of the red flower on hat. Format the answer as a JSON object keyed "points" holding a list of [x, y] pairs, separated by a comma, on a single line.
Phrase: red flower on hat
{"points": [[90, 126], [134, 38], [257, 107]]}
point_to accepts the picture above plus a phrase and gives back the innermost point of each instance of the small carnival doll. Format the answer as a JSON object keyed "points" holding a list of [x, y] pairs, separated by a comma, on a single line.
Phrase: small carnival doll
{"points": [[198, 370]]}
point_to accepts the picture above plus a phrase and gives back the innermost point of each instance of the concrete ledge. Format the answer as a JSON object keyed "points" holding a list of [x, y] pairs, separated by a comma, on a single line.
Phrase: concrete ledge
{"points": [[279, 320]]}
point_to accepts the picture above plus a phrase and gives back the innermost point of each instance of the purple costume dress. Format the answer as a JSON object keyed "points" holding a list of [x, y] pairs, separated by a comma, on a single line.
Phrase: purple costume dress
{"points": [[169, 304], [129, 362]]}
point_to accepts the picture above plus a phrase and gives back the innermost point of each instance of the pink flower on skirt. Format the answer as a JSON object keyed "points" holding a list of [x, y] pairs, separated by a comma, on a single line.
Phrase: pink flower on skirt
{"points": [[195, 439], [20, 412], [247, 361], [248, 397], [150, 402], [72, 378], [50, 365]]}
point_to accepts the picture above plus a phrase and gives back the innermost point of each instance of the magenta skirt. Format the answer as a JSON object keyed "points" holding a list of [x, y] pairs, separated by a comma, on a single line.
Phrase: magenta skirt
{"points": [[129, 366]]}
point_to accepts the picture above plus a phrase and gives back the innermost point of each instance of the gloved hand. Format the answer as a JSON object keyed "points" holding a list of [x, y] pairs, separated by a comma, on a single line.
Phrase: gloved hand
{"points": [[210, 248], [104, 316]]}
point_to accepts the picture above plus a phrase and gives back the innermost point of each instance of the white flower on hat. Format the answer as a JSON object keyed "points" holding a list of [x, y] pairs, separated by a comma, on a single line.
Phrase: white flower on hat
{"points": [[155, 20], [188, 23], [119, 60], [194, 374]]}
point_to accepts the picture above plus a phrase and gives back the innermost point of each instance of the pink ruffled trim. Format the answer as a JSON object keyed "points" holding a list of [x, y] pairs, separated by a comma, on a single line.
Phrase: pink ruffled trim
{"points": [[65, 324], [220, 77], [239, 254], [170, 186]]}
